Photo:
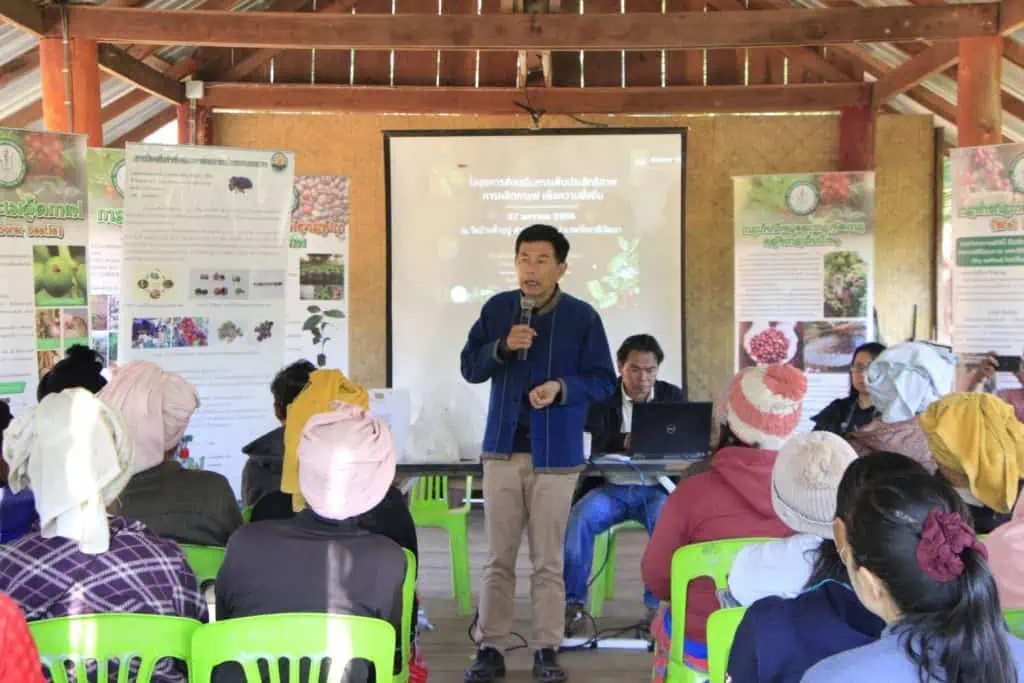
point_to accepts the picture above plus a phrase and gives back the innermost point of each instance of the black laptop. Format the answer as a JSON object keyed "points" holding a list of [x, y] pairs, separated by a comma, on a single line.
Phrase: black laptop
{"points": [[671, 430]]}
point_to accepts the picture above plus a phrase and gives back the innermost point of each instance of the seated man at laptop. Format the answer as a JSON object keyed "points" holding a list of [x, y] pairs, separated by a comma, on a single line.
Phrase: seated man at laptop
{"points": [[624, 496]]}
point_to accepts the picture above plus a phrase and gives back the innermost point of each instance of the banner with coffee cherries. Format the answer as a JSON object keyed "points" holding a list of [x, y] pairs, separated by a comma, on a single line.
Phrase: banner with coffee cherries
{"points": [[804, 257], [43, 257]]}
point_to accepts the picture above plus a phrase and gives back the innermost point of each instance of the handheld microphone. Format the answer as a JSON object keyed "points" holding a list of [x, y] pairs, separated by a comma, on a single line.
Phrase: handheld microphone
{"points": [[525, 316]]}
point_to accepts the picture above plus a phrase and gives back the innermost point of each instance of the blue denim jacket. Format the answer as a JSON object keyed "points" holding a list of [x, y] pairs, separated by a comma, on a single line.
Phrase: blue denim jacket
{"points": [[570, 347]]}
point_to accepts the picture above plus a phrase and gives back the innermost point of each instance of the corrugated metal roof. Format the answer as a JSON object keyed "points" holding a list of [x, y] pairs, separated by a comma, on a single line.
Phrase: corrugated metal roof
{"points": [[25, 90]]}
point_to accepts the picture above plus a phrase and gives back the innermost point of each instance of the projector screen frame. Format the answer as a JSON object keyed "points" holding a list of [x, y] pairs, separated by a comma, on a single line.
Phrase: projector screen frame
{"points": [[388, 135]]}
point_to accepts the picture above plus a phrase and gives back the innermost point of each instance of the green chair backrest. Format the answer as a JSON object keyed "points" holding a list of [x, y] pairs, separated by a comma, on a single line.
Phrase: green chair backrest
{"points": [[102, 637], [293, 637], [408, 597], [247, 514], [712, 559], [1015, 620], [430, 497], [205, 561], [722, 627]]}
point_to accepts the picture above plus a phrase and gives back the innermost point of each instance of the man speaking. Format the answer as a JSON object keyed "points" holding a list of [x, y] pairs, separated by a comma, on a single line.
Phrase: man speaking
{"points": [[547, 358]]}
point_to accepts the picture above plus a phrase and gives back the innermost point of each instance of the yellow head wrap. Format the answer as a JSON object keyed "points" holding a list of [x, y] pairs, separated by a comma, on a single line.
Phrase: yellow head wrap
{"points": [[978, 434], [325, 387]]}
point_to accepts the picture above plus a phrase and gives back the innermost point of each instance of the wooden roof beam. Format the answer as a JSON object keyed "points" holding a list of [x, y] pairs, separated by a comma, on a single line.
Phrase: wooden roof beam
{"points": [[553, 101], [117, 62], [944, 55], [28, 16], [644, 31]]}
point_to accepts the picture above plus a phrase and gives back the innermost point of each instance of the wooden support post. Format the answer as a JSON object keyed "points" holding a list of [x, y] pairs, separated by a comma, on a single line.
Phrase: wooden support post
{"points": [[74, 95], [979, 111], [203, 125], [856, 139]]}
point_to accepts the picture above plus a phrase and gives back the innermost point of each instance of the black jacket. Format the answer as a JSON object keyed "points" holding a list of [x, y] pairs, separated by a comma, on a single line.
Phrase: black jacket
{"points": [[604, 420], [843, 416], [262, 472]]}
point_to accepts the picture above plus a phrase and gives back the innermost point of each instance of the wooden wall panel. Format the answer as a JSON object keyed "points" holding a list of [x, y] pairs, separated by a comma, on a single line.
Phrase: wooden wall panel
{"points": [[373, 67], [684, 67], [565, 66], [643, 68], [458, 67], [718, 148]]}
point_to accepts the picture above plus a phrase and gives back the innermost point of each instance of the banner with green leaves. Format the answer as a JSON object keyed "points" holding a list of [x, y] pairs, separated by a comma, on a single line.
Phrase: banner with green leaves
{"points": [[106, 179], [43, 220]]}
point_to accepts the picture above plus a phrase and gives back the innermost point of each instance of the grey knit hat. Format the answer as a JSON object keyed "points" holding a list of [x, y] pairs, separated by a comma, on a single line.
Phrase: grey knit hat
{"points": [[805, 479]]}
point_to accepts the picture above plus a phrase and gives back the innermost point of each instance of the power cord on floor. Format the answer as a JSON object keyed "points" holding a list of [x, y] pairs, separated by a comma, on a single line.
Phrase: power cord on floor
{"points": [[472, 638]]}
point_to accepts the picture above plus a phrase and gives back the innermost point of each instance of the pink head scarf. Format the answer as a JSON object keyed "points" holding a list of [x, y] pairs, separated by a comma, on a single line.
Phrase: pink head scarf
{"points": [[1005, 549], [156, 407], [346, 462]]}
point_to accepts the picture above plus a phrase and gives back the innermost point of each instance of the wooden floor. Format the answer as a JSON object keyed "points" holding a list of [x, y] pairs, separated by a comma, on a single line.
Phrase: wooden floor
{"points": [[449, 651]]}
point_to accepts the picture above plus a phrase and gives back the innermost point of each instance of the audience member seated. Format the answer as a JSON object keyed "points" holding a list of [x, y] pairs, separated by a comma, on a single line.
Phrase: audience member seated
{"points": [[80, 367], [75, 453], [1005, 550], [850, 413], [914, 560], [804, 483], [17, 510], [780, 639], [732, 500], [186, 505], [19, 659], [903, 381], [261, 476], [625, 496], [346, 465], [979, 447]]}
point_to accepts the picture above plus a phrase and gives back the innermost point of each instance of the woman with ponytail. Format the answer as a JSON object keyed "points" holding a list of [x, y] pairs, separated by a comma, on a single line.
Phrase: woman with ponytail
{"points": [[914, 560]]}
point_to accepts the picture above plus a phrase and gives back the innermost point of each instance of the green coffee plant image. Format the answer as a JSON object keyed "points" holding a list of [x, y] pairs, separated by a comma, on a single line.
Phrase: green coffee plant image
{"points": [[620, 286], [316, 324]]}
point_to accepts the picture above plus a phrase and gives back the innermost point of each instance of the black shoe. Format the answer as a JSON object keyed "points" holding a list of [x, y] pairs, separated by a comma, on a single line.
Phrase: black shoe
{"points": [[546, 668], [488, 666], [575, 616]]}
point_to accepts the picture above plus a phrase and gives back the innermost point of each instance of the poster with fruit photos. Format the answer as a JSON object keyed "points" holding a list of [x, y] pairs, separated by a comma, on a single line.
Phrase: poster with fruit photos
{"points": [[988, 255], [43, 222], [317, 325], [203, 284], [106, 182], [804, 256]]}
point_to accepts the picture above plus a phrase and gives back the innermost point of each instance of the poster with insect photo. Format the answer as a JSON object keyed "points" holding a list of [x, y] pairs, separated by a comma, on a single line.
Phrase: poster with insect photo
{"points": [[803, 275], [205, 252], [44, 290], [317, 292], [106, 183], [988, 257]]}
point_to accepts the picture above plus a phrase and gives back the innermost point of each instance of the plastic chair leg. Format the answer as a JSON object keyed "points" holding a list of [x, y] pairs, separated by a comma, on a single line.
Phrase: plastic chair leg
{"points": [[599, 587], [458, 543], [609, 570]]}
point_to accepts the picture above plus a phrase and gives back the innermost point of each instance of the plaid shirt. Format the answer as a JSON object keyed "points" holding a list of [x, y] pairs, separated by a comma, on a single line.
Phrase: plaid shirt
{"points": [[140, 573]]}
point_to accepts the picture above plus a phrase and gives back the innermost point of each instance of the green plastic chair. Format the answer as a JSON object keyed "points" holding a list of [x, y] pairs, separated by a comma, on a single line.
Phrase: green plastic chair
{"points": [[1015, 620], [408, 597], [293, 637], [722, 625], [430, 509], [713, 559], [102, 637], [205, 561], [603, 586], [247, 514]]}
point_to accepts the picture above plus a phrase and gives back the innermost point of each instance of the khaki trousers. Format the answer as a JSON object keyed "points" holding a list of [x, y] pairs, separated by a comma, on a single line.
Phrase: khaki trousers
{"points": [[516, 497]]}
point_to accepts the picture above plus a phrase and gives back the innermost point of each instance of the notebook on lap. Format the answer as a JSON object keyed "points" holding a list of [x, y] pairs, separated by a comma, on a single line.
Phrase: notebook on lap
{"points": [[671, 430]]}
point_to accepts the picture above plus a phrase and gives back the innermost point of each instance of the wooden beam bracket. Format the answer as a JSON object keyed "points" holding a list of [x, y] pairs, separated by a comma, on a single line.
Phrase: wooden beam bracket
{"points": [[118, 63]]}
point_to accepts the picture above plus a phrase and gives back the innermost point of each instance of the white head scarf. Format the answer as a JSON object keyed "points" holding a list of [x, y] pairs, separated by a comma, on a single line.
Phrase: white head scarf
{"points": [[909, 377], [73, 451]]}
